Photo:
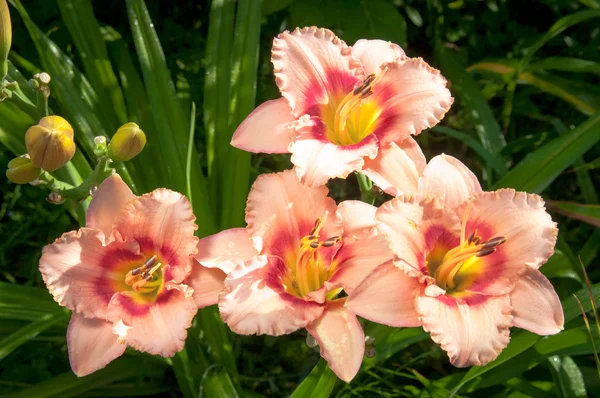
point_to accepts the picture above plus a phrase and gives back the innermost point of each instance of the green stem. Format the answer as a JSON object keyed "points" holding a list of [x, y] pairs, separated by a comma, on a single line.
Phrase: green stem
{"points": [[13, 93], [366, 188]]}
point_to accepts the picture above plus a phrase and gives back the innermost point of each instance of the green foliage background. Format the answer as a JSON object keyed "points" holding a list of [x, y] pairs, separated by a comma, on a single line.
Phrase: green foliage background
{"points": [[525, 76]]}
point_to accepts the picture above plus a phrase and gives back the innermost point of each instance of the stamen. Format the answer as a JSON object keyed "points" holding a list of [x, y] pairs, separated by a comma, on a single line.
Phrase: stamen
{"points": [[486, 251], [314, 245], [495, 242]]}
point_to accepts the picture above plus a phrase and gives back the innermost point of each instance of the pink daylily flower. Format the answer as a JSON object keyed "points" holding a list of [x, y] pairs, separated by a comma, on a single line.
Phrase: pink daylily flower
{"points": [[287, 268], [466, 264], [342, 106], [128, 276]]}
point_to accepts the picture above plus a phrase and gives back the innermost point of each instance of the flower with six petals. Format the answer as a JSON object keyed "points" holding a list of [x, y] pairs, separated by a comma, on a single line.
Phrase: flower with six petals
{"points": [[342, 106], [466, 264]]}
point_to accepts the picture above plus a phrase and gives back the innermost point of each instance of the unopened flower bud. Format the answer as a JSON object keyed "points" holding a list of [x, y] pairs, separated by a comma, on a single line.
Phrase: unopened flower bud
{"points": [[55, 198], [21, 170], [5, 38], [128, 142], [50, 143]]}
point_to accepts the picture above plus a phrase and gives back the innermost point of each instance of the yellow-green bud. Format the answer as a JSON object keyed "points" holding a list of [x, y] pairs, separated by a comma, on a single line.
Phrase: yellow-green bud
{"points": [[5, 38], [50, 143], [21, 170], [127, 143]]}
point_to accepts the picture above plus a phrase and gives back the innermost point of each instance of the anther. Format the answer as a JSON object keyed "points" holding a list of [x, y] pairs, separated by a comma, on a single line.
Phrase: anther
{"points": [[477, 240], [149, 263], [148, 277], [486, 251], [471, 237], [497, 241], [314, 245], [136, 271], [311, 237]]}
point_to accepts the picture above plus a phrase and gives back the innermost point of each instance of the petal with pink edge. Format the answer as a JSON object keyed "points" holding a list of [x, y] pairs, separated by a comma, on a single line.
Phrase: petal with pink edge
{"points": [[159, 328], [317, 161], [536, 306], [162, 222], [280, 211], [341, 339], [207, 284], [393, 170], [530, 235], [386, 296], [414, 97], [374, 53], [92, 344], [266, 129], [450, 180], [250, 305], [311, 63], [106, 204], [225, 250], [471, 334], [73, 268]]}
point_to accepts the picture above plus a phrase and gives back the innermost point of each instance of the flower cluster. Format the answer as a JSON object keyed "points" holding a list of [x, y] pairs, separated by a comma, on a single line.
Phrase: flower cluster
{"points": [[442, 254]]}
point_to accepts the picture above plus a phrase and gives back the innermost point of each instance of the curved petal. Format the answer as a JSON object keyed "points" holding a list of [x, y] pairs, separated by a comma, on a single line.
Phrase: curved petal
{"points": [[317, 161], [414, 97], [356, 216], [341, 339], [280, 211], [309, 64], [411, 222], [386, 296], [207, 284], [225, 250], [536, 306], [162, 222], [450, 180], [471, 334], [374, 53], [159, 328], [106, 204], [74, 269], [392, 170], [249, 304], [92, 344], [530, 235], [266, 129]]}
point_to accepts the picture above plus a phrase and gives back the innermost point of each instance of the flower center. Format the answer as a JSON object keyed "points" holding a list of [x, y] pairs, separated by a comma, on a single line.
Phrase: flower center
{"points": [[146, 280], [354, 118], [454, 266], [310, 271]]}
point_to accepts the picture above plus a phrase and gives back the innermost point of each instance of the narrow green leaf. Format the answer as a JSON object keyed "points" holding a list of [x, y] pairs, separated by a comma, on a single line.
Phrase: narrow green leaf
{"points": [[218, 384], [28, 297], [318, 384], [185, 378], [566, 64], [389, 341], [540, 168], [170, 119], [79, 17], [587, 213], [468, 93], [215, 332], [570, 307], [568, 377]]}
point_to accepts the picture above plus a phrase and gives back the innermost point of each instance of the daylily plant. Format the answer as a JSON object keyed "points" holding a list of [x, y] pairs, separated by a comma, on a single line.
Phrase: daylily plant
{"points": [[341, 106], [288, 267], [128, 276], [466, 264]]}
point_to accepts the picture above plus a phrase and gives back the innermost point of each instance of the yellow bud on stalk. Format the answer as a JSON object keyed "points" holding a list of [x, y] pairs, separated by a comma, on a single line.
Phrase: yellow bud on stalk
{"points": [[50, 143], [5, 38], [127, 143], [21, 170]]}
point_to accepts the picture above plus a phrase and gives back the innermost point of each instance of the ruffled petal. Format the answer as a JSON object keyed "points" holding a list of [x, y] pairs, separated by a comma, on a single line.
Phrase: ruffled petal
{"points": [[108, 200], [159, 328], [280, 211], [310, 64], [471, 334], [536, 306], [225, 250], [386, 296], [363, 247], [266, 129], [450, 180], [92, 344], [414, 97], [207, 284], [374, 53], [317, 161], [393, 170], [341, 339], [75, 271], [530, 235], [162, 222], [250, 304]]}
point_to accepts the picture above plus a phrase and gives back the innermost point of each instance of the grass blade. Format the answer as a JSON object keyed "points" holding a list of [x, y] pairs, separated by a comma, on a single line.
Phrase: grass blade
{"points": [[318, 384], [587, 213]]}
